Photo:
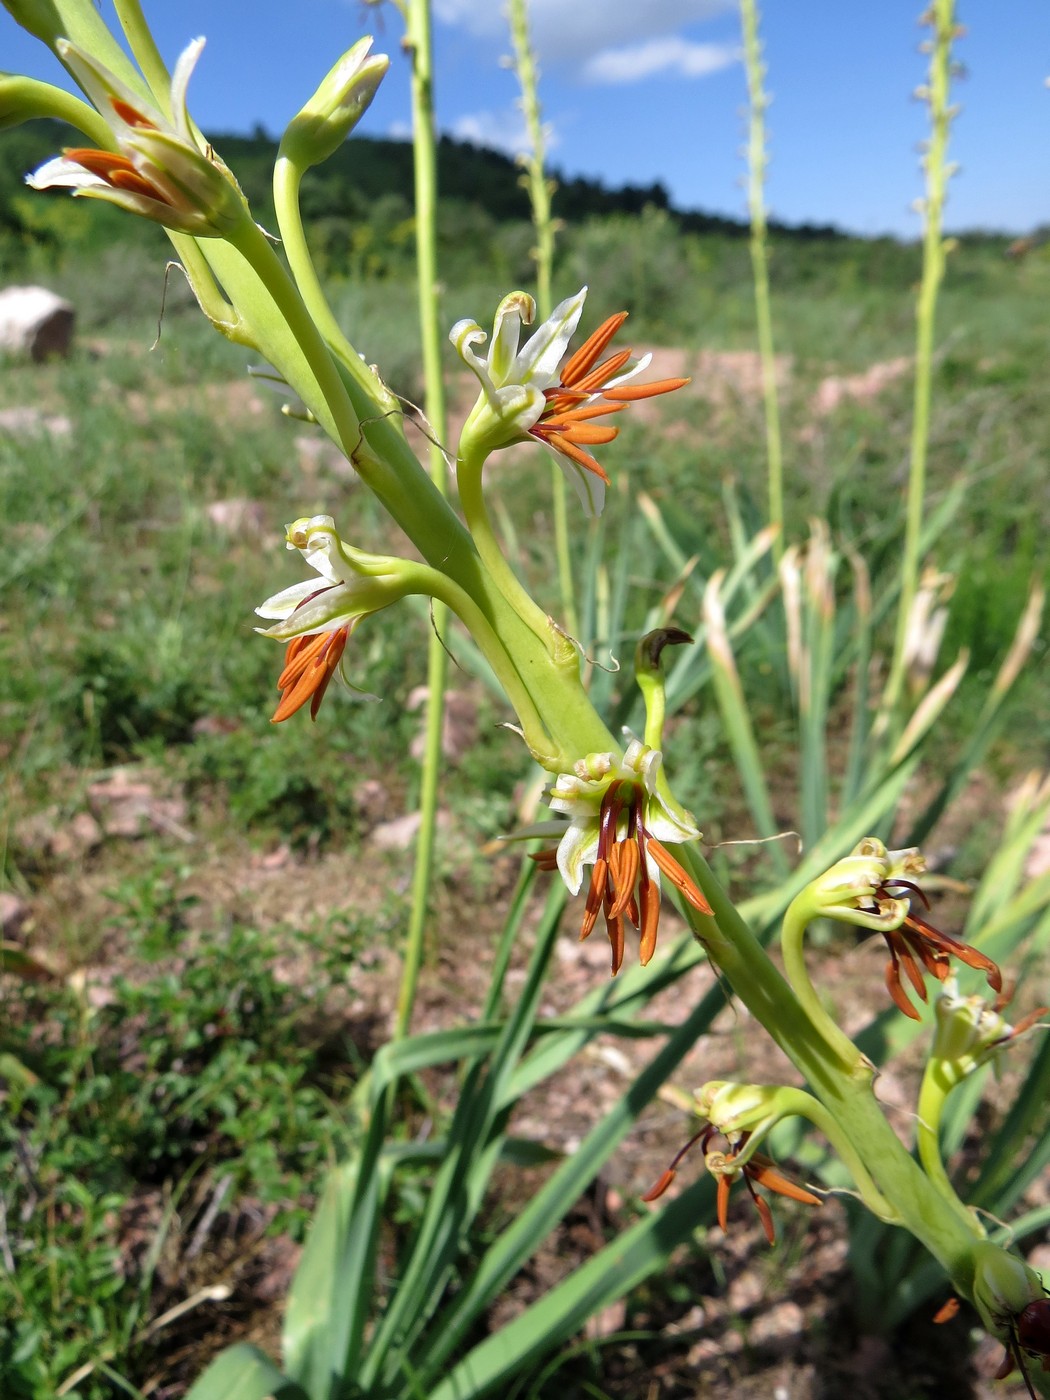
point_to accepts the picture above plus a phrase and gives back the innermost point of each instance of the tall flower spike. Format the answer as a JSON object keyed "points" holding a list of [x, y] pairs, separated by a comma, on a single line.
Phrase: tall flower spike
{"points": [[524, 394], [157, 168], [316, 619], [619, 824]]}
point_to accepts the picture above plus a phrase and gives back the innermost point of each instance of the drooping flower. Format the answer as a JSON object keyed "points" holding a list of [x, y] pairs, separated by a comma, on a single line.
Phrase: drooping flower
{"points": [[619, 823], [157, 168], [912, 941], [524, 393], [316, 619], [755, 1168], [970, 1032], [871, 888]]}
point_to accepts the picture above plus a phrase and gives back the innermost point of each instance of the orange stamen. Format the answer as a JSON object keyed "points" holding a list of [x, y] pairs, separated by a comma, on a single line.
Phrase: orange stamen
{"points": [[677, 876], [627, 393], [578, 364], [310, 664], [130, 115], [595, 897]]}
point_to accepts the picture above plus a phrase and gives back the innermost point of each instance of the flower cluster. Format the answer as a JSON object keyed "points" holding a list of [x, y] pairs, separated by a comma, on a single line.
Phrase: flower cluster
{"points": [[524, 393], [158, 168], [726, 1166], [316, 620], [872, 888], [618, 824]]}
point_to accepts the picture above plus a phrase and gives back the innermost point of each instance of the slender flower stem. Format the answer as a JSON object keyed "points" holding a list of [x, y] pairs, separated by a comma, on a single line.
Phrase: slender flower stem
{"points": [[932, 1095], [758, 101], [792, 939], [421, 50], [797, 1102], [287, 179], [933, 260], [476, 514], [540, 190], [37, 99]]}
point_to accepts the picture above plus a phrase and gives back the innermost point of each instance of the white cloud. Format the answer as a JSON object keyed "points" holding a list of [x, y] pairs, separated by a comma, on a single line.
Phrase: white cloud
{"points": [[670, 55], [563, 30], [502, 131]]}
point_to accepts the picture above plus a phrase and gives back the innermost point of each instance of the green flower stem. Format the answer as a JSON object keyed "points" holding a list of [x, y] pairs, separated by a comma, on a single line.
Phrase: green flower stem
{"points": [[756, 164], [23, 99], [434, 584], [540, 190], [223, 317], [287, 180], [792, 937], [425, 152], [916, 1201], [476, 514], [933, 260], [932, 1095], [787, 1103]]}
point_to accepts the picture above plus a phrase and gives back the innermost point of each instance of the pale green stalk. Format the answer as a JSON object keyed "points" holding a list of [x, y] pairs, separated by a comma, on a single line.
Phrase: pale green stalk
{"points": [[420, 48], [846, 1093], [758, 101], [540, 191], [942, 17], [476, 514]]}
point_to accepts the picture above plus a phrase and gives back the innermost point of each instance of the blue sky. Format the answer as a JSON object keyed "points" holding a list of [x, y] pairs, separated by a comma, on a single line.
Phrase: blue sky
{"points": [[636, 91]]}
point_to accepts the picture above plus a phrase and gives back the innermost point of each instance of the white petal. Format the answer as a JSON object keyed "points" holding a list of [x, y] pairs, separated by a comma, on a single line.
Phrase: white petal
{"points": [[61, 173], [464, 335], [577, 848], [514, 310], [180, 79], [285, 602], [667, 828], [543, 351], [589, 488], [326, 613]]}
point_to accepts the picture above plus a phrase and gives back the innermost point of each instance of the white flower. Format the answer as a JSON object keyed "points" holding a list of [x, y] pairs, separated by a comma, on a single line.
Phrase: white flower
{"points": [[157, 168], [526, 391], [316, 618], [618, 823]]}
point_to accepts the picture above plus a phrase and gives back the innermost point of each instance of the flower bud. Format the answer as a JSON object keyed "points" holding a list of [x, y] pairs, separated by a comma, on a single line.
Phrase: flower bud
{"points": [[339, 103]]}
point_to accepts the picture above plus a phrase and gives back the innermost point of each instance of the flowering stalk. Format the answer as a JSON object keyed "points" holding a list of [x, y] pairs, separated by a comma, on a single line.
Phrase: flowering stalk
{"points": [[614, 808], [425, 168], [758, 101], [935, 162], [540, 189]]}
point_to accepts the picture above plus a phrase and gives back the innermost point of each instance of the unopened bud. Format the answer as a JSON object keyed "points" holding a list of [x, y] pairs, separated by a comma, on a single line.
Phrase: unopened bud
{"points": [[339, 103]]}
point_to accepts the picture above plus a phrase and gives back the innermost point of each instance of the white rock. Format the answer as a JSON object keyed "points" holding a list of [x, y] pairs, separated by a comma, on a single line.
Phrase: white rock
{"points": [[31, 422], [35, 322]]}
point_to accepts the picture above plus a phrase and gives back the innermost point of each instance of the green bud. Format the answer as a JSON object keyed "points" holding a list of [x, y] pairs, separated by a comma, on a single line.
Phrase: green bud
{"points": [[320, 128]]}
